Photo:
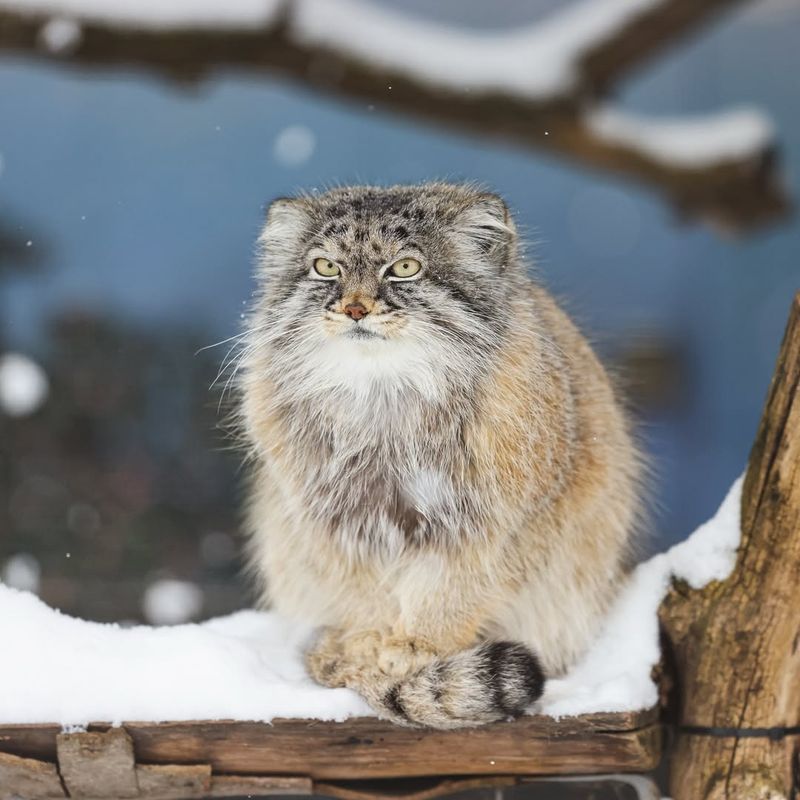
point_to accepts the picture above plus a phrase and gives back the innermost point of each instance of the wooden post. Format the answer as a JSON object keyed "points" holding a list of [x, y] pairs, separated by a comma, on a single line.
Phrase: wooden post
{"points": [[737, 643]]}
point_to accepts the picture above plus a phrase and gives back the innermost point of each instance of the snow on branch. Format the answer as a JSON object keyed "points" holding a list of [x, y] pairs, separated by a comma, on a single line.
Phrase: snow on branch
{"points": [[535, 86], [154, 14], [690, 142]]}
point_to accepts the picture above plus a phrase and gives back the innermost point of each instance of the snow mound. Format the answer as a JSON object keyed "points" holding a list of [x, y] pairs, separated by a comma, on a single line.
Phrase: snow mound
{"points": [[248, 666]]}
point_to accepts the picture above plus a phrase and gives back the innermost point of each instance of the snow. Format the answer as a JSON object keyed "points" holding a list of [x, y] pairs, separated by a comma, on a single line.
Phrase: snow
{"points": [[536, 61], [699, 142], [171, 602], [615, 673], [248, 666], [156, 14], [23, 385]]}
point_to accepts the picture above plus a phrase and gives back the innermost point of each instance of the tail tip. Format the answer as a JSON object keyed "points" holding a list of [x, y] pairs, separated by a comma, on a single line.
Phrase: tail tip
{"points": [[515, 674]]}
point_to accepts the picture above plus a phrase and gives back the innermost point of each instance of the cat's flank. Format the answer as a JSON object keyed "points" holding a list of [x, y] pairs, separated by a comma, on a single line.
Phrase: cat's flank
{"points": [[443, 480]]}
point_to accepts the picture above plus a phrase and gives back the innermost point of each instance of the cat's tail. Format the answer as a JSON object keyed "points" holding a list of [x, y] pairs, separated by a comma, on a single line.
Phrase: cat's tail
{"points": [[490, 682]]}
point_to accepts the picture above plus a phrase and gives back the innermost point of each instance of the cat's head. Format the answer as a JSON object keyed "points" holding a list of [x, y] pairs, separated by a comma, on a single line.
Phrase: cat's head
{"points": [[380, 271]]}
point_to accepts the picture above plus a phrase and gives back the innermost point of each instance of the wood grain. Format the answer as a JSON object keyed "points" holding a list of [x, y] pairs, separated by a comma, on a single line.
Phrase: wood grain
{"points": [[370, 748], [28, 778], [173, 781], [97, 764]]}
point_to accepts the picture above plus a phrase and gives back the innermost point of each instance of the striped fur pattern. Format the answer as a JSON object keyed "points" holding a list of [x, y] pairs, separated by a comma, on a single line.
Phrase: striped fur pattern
{"points": [[447, 486]]}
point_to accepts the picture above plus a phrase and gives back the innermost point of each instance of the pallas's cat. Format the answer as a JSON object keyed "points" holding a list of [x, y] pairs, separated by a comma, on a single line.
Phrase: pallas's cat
{"points": [[442, 479]]}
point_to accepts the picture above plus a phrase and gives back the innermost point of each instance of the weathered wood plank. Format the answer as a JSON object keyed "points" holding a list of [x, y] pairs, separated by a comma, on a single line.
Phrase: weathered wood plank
{"points": [[371, 748], [27, 777], [259, 786], [173, 781], [97, 764]]}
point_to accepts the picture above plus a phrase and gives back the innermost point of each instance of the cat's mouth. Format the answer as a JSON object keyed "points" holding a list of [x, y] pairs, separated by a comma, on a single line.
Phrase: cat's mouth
{"points": [[358, 331], [371, 328]]}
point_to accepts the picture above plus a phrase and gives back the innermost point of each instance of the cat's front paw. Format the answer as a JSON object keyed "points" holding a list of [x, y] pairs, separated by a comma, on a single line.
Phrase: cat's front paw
{"points": [[323, 660], [337, 659], [400, 656]]}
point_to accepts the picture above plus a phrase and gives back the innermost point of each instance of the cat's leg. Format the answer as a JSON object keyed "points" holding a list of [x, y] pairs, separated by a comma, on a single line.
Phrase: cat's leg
{"points": [[430, 665], [436, 606], [444, 602]]}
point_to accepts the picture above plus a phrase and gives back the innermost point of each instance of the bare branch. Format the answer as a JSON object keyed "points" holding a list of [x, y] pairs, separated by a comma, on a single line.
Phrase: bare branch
{"points": [[535, 87], [647, 35]]}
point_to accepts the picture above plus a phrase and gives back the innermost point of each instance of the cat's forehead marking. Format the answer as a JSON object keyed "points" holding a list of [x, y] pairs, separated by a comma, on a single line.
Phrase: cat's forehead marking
{"points": [[369, 230]]}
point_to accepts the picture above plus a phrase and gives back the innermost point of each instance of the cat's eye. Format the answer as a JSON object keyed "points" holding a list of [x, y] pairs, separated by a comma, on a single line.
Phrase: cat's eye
{"points": [[325, 267], [405, 268]]}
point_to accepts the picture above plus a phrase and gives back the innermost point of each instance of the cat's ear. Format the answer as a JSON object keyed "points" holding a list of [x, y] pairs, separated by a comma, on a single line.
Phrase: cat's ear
{"points": [[487, 224], [285, 228]]}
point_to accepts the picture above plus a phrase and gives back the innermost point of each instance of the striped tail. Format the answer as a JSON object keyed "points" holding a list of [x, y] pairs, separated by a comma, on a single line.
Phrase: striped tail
{"points": [[490, 682]]}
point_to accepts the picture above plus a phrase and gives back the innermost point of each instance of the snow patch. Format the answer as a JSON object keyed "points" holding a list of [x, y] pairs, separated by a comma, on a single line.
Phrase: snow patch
{"points": [[246, 666], [23, 385], [699, 142], [157, 14]]}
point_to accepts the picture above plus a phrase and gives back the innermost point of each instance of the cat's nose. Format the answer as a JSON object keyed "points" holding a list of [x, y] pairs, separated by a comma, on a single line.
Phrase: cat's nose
{"points": [[356, 310]]}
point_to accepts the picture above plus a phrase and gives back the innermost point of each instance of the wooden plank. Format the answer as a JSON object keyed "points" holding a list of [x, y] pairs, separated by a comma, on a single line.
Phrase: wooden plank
{"points": [[258, 786], [370, 748], [173, 781], [97, 764], [28, 778]]}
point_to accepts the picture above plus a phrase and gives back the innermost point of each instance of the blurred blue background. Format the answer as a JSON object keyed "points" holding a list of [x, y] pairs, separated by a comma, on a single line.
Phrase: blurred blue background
{"points": [[138, 202]]}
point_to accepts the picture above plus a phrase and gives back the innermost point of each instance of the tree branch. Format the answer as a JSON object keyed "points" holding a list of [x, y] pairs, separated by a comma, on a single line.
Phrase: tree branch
{"points": [[536, 87], [646, 36]]}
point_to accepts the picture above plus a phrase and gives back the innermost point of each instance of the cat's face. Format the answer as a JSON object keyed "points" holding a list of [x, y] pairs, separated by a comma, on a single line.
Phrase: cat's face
{"points": [[422, 269]]}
